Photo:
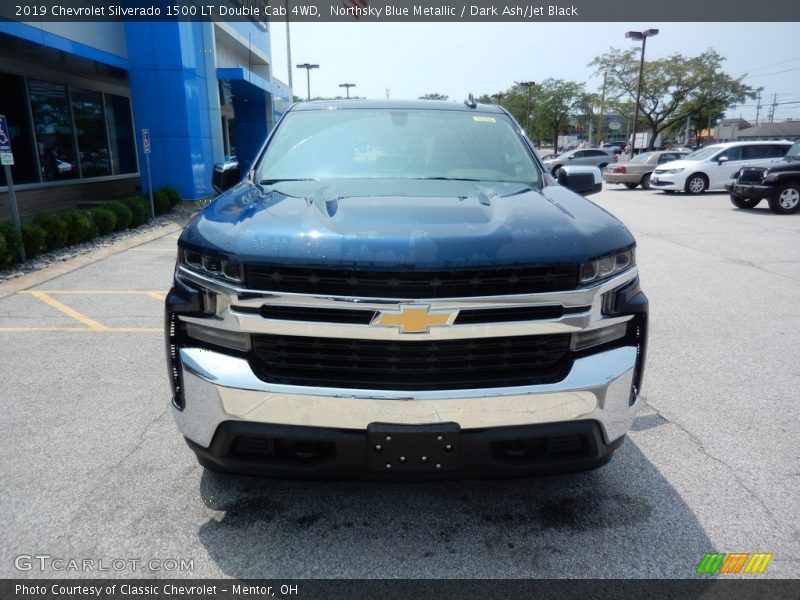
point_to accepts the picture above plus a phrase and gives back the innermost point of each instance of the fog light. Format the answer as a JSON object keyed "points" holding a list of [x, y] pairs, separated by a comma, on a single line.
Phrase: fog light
{"points": [[235, 340], [597, 337]]}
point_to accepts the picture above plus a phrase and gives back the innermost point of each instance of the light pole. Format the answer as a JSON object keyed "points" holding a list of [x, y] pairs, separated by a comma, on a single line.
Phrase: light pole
{"points": [[308, 68], [529, 85], [348, 86], [639, 35]]}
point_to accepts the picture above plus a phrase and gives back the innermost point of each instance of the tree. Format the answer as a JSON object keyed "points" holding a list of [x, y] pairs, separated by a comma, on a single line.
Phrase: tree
{"points": [[556, 102], [673, 88], [434, 96]]}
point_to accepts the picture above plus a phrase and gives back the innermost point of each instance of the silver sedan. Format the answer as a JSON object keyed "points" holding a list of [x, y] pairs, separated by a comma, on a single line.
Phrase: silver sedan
{"points": [[637, 171]]}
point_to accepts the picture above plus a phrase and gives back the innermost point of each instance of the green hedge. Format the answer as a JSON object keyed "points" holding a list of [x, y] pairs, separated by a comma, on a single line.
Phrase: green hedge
{"points": [[139, 210], [55, 228], [173, 196], [104, 220], [160, 202], [13, 242], [80, 227], [123, 214], [34, 237]]}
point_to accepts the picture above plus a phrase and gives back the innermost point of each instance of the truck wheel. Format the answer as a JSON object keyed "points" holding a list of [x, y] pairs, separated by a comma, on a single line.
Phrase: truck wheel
{"points": [[646, 182], [785, 199], [696, 184], [631, 186], [744, 202]]}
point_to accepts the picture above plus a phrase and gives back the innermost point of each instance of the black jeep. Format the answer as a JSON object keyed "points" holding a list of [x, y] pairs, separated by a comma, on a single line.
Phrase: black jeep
{"points": [[778, 183]]}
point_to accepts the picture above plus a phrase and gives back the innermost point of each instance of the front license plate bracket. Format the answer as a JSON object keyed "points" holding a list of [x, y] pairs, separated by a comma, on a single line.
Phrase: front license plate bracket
{"points": [[413, 447]]}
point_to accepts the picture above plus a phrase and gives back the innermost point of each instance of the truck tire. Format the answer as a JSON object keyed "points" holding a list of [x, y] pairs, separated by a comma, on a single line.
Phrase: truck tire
{"points": [[744, 202], [786, 198]]}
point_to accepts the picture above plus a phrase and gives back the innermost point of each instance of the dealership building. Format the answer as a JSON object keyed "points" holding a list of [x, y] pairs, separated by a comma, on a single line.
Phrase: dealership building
{"points": [[77, 97]]}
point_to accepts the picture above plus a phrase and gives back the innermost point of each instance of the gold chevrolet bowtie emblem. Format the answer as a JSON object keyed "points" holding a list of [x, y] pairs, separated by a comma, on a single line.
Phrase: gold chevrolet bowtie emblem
{"points": [[416, 318]]}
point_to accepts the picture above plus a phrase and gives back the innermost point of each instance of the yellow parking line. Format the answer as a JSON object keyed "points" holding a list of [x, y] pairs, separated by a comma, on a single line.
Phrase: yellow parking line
{"points": [[70, 312], [160, 296], [94, 292], [80, 330]]}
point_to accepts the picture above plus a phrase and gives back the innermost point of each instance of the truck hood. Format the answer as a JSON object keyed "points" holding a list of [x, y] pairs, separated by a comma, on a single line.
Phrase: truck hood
{"points": [[405, 224]]}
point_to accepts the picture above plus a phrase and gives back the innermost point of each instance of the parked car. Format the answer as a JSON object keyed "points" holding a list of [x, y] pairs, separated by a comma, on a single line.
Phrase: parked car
{"points": [[779, 183], [401, 289], [615, 147], [711, 167], [638, 170], [595, 157]]}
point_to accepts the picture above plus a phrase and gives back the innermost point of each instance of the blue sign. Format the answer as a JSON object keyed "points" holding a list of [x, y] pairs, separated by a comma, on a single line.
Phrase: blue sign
{"points": [[146, 141], [6, 158], [5, 138]]}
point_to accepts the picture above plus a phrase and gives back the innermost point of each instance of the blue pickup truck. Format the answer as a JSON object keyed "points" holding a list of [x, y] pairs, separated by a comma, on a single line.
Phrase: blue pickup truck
{"points": [[401, 289]]}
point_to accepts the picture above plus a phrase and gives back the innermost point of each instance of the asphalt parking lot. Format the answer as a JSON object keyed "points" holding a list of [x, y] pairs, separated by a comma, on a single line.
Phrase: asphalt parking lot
{"points": [[94, 468]]}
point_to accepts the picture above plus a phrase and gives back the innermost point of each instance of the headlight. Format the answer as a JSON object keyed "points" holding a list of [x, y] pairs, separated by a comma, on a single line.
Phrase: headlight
{"points": [[607, 266], [673, 171], [205, 264]]}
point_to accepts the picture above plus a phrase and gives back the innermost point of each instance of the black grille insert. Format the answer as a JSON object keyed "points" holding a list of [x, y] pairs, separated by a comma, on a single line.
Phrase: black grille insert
{"points": [[751, 175], [413, 365], [412, 284]]}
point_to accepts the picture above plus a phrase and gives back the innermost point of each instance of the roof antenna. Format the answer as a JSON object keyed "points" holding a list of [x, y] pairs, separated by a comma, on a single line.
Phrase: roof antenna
{"points": [[470, 101]]}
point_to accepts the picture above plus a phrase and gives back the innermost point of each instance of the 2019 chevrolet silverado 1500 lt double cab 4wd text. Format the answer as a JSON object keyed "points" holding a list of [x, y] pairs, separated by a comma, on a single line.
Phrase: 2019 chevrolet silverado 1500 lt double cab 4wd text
{"points": [[401, 289]]}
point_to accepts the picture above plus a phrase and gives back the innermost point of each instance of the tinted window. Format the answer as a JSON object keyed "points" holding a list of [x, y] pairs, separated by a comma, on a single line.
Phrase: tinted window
{"points": [[54, 134], [90, 125], [12, 105], [664, 158], [396, 144], [734, 153]]}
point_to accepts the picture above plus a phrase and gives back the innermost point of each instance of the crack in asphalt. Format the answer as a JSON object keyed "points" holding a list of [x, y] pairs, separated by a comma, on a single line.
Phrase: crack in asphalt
{"points": [[776, 521]]}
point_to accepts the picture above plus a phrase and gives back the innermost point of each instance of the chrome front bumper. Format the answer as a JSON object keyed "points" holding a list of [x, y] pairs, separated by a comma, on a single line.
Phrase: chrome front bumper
{"points": [[220, 388]]}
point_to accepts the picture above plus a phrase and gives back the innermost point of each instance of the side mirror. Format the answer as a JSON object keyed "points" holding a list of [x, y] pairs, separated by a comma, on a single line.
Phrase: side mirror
{"points": [[225, 176], [581, 180], [722, 159]]}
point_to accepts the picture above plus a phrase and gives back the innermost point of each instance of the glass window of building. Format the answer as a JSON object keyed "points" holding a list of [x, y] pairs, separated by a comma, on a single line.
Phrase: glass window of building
{"points": [[120, 133], [12, 105], [54, 134], [90, 130]]}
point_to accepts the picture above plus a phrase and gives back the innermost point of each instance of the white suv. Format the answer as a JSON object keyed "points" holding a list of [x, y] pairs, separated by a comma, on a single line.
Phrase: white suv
{"points": [[710, 168]]}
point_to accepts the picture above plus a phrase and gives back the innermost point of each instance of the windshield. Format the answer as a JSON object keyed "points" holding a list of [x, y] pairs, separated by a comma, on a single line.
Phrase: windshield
{"points": [[794, 151], [703, 153], [396, 144], [641, 158]]}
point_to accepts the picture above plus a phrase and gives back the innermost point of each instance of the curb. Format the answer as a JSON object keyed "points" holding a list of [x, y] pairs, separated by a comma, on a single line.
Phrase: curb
{"points": [[29, 280]]}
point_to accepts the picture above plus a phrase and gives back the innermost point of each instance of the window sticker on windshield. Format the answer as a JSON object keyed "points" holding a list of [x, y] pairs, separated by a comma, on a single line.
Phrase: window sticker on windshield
{"points": [[484, 119]]}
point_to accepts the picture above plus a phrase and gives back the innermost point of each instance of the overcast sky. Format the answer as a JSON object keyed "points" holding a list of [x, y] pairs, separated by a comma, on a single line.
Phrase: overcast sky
{"points": [[411, 59]]}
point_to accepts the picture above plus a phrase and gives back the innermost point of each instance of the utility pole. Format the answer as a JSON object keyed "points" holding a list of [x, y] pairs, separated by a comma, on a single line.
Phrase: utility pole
{"points": [[602, 107], [772, 107], [387, 93], [758, 107], [288, 49], [529, 85], [498, 97]]}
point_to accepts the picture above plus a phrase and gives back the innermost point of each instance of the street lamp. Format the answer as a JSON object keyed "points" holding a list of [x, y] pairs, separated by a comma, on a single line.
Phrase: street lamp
{"points": [[529, 85], [348, 86], [308, 68], [636, 36]]}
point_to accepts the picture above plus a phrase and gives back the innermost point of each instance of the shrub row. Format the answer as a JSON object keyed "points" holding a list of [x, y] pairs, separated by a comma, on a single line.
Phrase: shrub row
{"points": [[55, 230]]}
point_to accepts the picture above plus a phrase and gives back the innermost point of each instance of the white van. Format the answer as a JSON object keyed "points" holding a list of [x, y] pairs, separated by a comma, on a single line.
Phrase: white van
{"points": [[710, 168]]}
